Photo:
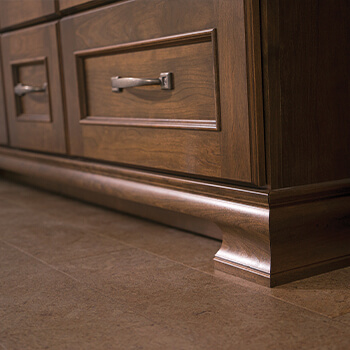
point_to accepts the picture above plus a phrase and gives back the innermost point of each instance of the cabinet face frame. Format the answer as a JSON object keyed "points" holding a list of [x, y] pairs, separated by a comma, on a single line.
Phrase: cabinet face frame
{"points": [[236, 152], [3, 121], [32, 47]]}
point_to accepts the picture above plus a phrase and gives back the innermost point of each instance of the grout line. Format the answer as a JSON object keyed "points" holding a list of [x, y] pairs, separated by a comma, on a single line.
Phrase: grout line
{"points": [[40, 260], [263, 289]]}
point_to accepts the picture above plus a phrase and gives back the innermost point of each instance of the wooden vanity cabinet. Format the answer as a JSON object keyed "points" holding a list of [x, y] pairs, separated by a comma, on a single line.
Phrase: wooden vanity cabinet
{"points": [[243, 133]]}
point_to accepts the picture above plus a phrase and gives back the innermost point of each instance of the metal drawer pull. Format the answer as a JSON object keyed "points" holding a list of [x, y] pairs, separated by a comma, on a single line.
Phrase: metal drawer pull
{"points": [[21, 90], [165, 81]]}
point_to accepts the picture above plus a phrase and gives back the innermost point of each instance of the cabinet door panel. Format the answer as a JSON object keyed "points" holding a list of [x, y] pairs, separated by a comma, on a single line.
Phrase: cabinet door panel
{"points": [[30, 59]]}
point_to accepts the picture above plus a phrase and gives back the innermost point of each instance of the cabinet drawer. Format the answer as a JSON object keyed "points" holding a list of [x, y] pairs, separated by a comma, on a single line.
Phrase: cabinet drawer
{"points": [[201, 126], [3, 127], [33, 89], [15, 12]]}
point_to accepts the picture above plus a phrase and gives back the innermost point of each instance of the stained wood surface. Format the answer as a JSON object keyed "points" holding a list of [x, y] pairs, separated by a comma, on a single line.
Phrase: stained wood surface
{"points": [[14, 12], [3, 122], [24, 51], [193, 99], [73, 5], [225, 154], [306, 50], [33, 106]]}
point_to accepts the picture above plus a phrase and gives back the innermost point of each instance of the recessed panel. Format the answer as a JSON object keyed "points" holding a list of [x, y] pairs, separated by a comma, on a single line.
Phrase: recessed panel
{"points": [[191, 101], [34, 105]]}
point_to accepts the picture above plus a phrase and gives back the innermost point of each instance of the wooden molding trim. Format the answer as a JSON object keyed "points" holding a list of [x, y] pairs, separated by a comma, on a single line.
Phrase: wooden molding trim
{"points": [[269, 244]]}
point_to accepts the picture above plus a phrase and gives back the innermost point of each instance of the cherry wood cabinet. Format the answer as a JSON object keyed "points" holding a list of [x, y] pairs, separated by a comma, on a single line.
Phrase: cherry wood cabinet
{"points": [[31, 61], [306, 53], [236, 125]]}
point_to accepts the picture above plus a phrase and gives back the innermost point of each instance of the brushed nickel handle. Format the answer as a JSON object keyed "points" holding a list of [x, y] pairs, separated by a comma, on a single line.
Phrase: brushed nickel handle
{"points": [[165, 81], [21, 90]]}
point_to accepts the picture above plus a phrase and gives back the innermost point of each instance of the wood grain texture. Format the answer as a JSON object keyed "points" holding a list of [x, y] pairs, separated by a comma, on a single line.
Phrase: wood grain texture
{"points": [[16, 12], [3, 121], [269, 244], [193, 103], [306, 50], [19, 50], [71, 6], [255, 91], [225, 155]]}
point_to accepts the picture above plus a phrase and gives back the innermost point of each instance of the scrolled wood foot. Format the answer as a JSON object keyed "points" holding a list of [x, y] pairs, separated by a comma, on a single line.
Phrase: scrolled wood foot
{"points": [[245, 249]]}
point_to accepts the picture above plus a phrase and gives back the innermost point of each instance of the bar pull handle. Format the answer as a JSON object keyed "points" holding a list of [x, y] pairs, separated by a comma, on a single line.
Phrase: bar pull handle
{"points": [[21, 90], [165, 81]]}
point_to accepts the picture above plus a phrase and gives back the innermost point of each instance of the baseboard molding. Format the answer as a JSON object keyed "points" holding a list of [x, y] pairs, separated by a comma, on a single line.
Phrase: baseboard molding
{"points": [[271, 237]]}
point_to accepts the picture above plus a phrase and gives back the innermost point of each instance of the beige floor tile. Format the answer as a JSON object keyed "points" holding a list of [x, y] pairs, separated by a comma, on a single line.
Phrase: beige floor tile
{"points": [[43, 308], [54, 241], [201, 307]]}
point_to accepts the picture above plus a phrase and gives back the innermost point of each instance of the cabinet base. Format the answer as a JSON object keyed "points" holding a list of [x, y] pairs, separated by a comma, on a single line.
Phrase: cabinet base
{"points": [[270, 237]]}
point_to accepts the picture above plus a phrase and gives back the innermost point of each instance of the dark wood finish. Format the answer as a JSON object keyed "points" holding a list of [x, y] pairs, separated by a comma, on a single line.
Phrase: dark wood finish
{"points": [[69, 6], [16, 12], [3, 122], [261, 98], [193, 103], [36, 121], [306, 52], [225, 154], [264, 235]]}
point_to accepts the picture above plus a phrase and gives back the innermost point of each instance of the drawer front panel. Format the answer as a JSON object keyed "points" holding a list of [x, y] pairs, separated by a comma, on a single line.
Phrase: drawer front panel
{"points": [[191, 129], [3, 126], [192, 102], [31, 62], [15, 12], [68, 5]]}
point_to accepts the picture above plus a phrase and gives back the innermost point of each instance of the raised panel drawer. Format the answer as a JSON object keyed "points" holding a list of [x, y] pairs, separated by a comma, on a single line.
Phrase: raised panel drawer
{"points": [[3, 126], [16, 12], [31, 62], [201, 126], [192, 98]]}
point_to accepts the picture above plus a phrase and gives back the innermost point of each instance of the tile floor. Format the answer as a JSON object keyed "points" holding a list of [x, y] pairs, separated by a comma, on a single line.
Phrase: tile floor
{"points": [[76, 276]]}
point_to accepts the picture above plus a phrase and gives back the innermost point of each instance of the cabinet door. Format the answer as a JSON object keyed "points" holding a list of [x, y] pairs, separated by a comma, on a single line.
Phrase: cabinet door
{"points": [[200, 126], [16, 12], [3, 126], [33, 89]]}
